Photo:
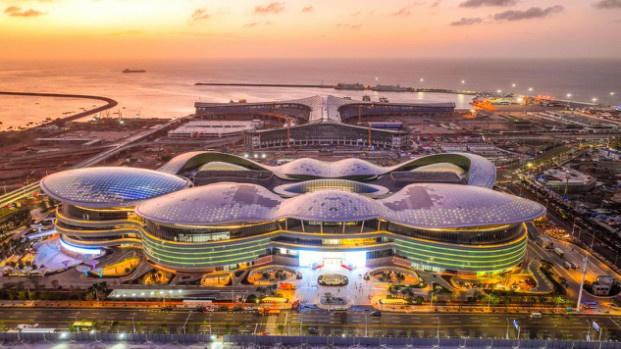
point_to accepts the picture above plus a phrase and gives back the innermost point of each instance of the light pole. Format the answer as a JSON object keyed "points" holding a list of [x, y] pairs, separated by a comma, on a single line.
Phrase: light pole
{"points": [[522, 101], [186, 321], [584, 270]]}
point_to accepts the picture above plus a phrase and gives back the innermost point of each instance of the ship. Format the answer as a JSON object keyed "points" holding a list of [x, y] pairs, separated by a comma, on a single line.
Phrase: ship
{"points": [[134, 71], [391, 88], [357, 86]]}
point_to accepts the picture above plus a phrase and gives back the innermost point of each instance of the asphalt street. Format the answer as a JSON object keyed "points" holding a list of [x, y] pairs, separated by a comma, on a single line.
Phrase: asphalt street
{"points": [[361, 323]]}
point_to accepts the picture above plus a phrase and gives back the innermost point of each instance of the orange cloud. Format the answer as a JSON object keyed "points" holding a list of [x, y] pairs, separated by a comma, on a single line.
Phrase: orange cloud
{"points": [[274, 7], [199, 15], [256, 24], [308, 9], [15, 11]]}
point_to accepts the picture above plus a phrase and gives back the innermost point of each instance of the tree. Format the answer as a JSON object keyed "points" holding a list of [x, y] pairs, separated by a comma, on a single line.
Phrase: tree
{"points": [[251, 298], [493, 299]]}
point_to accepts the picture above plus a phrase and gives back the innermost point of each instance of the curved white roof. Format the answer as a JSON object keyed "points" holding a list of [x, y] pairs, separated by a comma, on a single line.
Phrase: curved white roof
{"points": [[481, 172], [105, 187], [298, 188], [308, 167], [213, 204], [425, 206], [441, 167], [454, 205], [331, 205], [221, 166]]}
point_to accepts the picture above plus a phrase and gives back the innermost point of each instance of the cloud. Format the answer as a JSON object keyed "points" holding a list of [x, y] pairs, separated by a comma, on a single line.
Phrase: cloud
{"points": [[479, 3], [533, 12], [467, 21], [402, 12], [349, 26], [199, 15], [308, 9], [406, 11], [274, 7], [608, 4], [256, 24], [15, 11], [436, 3]]}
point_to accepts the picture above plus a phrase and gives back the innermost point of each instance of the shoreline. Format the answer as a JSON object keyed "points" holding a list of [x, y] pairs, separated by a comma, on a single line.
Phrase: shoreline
{"points": [[110, 103]]}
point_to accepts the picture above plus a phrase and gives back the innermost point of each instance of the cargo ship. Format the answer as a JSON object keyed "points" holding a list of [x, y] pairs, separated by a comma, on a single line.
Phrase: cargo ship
{"points": [[391, 88], [134, 71], [356, 87]]}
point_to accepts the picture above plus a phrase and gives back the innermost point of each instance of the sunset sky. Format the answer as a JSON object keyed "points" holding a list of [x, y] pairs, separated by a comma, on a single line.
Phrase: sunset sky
{"points": [[166, 29]]}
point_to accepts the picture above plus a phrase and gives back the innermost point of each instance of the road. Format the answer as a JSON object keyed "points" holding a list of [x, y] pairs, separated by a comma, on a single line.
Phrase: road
{"points": [[327, 323]]}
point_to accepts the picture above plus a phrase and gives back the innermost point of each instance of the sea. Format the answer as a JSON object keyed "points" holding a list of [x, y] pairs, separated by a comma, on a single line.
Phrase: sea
{"points": [[168, 89]]}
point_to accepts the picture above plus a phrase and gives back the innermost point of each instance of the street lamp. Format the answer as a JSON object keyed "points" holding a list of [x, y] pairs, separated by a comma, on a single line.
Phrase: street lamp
{"points": [[594, 99], [522, 101], [422, 80], [612, 93], [530, 89], [499, 91], [569, 95], [463, 82], [513, 85]]}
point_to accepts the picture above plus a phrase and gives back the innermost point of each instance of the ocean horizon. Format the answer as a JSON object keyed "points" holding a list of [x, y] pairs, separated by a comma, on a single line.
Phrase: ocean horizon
{"points": [[167, 88]]}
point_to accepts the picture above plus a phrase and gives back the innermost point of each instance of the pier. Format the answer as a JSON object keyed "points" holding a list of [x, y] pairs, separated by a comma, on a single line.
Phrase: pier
{"points": [[342, 88]]}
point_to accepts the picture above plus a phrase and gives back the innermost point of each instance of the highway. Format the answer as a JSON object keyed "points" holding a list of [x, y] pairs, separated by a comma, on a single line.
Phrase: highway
{"points": [[326, 323]]}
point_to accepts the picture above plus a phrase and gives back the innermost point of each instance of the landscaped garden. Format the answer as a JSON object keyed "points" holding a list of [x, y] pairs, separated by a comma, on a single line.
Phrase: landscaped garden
{"points": [[332, 280], [156, 277], [396, 276], [266, 276]]}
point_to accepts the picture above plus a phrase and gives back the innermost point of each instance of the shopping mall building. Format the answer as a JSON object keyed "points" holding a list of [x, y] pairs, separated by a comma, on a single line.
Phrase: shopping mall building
{"points": [[206, 211]]}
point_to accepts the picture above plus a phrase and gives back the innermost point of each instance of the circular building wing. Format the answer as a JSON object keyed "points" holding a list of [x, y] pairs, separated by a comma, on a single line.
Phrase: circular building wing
{"points": [[105, 187]]}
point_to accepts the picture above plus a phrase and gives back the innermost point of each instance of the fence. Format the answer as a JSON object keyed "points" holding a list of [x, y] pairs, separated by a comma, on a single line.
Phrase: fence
{"points": [[310, 341]]}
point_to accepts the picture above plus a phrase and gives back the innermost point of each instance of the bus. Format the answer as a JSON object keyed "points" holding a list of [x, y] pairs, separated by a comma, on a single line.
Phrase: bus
{"points": [[266, 311], [559, 252], [38, 330], [83, 326]]}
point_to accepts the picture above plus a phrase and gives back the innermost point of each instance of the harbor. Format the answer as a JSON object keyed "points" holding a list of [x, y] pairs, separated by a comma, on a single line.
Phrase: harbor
{"points": [[347, 87]]}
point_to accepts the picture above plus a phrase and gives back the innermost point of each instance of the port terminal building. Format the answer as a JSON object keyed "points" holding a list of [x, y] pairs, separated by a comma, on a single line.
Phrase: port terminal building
{"points": [[443, 217], [323, 121]]}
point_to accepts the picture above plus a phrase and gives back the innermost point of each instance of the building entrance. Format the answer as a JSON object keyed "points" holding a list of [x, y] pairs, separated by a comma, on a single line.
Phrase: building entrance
{"points": [[332, 262]]}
